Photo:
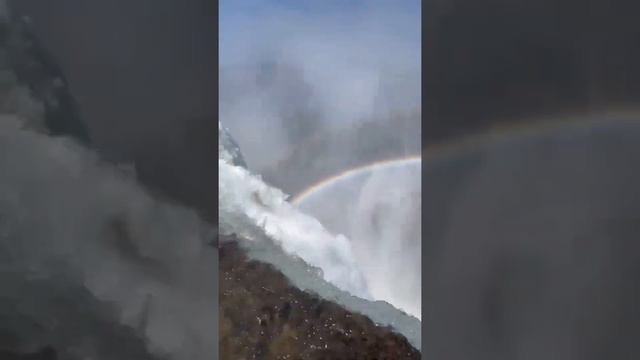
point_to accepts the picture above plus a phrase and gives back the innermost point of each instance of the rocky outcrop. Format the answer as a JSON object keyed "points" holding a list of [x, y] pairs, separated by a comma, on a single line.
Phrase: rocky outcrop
{"points": [[227, 142], [263, 316], [37, 72]]}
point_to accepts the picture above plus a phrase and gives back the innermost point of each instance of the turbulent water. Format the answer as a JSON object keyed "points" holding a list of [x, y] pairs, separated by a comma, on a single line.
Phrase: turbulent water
{"points": [[244, 197], [298, 245], [383, 221]]}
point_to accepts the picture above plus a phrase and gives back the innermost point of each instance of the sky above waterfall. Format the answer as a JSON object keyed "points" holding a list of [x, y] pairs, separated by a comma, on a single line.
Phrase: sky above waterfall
{"points": [[247, 27]]}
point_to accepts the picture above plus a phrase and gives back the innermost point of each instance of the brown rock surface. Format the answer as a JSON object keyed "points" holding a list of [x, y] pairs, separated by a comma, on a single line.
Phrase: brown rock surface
{"points": [[263, 316]]}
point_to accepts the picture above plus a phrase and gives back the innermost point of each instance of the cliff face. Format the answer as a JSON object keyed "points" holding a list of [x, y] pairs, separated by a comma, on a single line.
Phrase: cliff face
{"points": [[35, 66], [263, 316]]}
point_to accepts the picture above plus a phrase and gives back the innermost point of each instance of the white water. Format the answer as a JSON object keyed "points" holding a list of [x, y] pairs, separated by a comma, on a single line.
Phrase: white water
{"points": [[246, 201], [384, 224], [280, 234]]}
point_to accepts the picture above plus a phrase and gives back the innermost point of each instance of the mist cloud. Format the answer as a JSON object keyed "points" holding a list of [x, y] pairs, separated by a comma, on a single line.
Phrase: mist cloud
{"points": [[330, 65], [73, 226], [531, 246]]}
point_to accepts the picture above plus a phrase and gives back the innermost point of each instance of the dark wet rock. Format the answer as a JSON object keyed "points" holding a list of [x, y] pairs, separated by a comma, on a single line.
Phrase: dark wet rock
{"points": [[36, 68], [263, 316], [231, 146]]}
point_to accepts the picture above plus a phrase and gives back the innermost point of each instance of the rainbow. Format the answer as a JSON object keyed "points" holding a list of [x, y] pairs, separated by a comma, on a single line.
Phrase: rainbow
{"points": [[532, 128], [524, 129], [299, 198]]}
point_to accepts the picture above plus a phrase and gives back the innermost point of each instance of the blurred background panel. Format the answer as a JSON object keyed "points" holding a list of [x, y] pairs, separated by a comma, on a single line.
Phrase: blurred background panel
{"points": [[495, 62], [144, 76], [531, 139]]}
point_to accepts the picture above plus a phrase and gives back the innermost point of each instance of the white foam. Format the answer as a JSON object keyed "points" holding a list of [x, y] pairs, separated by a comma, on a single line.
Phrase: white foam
{"points": [[246, 201], [383, 206], [274, 231]]}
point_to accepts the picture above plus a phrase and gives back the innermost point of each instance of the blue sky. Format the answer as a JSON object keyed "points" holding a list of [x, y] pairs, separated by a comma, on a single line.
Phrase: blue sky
{"points": [[243, 23], [256, 7]]}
